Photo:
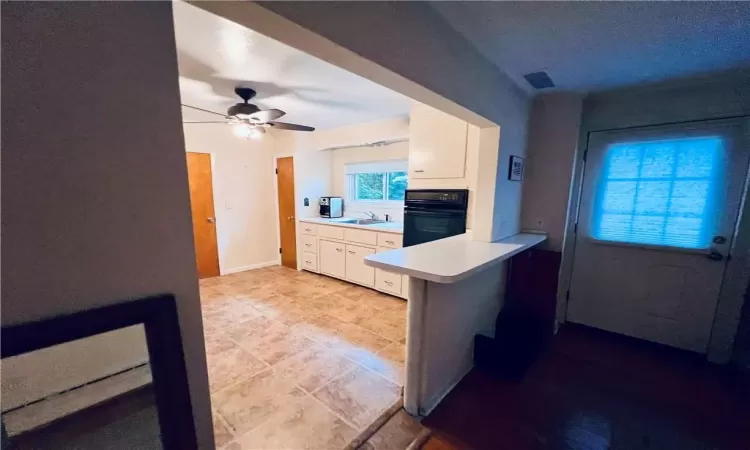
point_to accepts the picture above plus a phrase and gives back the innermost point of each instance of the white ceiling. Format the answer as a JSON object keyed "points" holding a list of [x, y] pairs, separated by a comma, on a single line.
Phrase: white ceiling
{"points": [[589, 46], [215, 55]]}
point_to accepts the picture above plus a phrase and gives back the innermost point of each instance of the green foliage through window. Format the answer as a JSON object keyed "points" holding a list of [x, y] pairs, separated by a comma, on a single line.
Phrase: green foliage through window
{"points": [[380, 186]]}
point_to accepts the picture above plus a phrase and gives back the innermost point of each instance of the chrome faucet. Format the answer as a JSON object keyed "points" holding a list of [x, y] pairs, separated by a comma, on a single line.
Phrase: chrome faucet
{"points": [[371, 215]]}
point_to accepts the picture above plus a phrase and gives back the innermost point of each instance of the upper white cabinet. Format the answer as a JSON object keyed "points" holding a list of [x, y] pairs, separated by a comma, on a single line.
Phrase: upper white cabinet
{"points": [[437, 144]]}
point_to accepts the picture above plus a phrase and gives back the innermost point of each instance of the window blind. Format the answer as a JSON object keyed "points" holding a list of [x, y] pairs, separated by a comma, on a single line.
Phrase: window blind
{"points": [[660, 192]]}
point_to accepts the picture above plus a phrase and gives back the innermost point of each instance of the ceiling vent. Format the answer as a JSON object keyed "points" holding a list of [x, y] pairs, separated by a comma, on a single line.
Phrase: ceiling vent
{"points": [[539, 80]]}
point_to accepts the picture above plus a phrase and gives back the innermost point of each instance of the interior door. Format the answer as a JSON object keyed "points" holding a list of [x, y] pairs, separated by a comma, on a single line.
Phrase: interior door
{"points": [[657, 214], [204, 220], [287, 222]]}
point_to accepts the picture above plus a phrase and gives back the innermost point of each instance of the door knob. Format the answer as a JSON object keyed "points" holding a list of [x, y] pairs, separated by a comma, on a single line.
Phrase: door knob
{"points": [[290, 218], [713, 255], [211, 219]]}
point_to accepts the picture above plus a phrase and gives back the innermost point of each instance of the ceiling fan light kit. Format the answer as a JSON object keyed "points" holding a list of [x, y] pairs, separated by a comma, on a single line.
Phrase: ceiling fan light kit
{"points": [[249, 121]]}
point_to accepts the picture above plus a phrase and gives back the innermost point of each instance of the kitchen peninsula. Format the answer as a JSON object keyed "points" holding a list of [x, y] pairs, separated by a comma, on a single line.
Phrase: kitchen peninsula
{"points": [[455, 293]]}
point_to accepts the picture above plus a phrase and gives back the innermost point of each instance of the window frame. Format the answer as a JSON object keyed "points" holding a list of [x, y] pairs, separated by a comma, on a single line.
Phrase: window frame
{"points": [[351, 188]]}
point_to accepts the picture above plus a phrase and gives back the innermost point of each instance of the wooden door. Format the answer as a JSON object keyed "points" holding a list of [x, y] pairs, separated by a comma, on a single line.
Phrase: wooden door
{"points": [[658, 210], [287, 222], [204, 219]]}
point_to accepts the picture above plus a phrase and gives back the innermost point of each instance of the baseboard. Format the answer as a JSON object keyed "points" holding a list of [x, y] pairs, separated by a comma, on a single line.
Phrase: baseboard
{"points": [[250, 267], [424, 412], [61, 405]]}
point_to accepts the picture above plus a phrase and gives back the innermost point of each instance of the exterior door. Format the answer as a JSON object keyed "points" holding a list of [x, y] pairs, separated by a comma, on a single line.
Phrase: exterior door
{"points": [[204, 220], [287, 222], [657, 215]]}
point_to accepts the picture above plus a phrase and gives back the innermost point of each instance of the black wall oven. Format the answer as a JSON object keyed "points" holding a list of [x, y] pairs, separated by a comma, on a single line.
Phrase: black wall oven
{"points": [[432, 214]]}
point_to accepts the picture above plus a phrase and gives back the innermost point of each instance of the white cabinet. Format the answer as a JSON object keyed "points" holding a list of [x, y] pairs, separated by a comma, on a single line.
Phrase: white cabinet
{"points": [[310, 261], [388, 281], [356, 270], [309, 228], [390, 240], [332, 258], [309, 243], [437, 144]]}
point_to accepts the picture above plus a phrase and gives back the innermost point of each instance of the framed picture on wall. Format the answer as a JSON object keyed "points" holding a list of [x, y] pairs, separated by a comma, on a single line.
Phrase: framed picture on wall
{"points": [[515, 168]]}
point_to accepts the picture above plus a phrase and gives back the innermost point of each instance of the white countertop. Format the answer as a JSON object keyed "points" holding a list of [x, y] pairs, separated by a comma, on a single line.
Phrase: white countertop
{"points": [[451, 259], [387, 227]]}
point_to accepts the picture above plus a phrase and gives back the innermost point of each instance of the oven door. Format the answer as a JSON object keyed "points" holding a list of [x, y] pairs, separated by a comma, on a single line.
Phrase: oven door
{"points": [[427, 226]]}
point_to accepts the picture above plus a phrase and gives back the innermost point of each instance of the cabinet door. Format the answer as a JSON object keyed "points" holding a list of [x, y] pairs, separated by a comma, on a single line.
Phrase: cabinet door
{"points": [[437, 144], [356, 270], [332, 258]]}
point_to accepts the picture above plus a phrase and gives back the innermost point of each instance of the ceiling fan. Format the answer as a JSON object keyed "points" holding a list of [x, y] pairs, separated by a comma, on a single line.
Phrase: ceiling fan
{"points": [[249, 121]]}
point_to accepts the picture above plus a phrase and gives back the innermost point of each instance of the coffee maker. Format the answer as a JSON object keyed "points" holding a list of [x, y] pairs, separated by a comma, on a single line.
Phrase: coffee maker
{"points": [[331, 207]]}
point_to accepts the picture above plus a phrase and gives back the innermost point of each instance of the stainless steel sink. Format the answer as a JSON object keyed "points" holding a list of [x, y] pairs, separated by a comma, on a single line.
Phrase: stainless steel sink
{"points": [[361, 221]]}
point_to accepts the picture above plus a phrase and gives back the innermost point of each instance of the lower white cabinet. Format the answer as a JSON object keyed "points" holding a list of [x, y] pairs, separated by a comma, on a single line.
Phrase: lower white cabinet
{"points": [[356, 270], [388, 281], [341, 253], [310, 261], [332, 258]]}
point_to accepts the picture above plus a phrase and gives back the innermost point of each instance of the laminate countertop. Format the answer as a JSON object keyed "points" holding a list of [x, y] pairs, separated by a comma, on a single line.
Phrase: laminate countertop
{"points": [[451, 259], [385, 227]]}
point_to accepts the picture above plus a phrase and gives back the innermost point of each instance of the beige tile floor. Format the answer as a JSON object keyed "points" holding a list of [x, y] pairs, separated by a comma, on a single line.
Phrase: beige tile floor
{"points": [[299, 360]]}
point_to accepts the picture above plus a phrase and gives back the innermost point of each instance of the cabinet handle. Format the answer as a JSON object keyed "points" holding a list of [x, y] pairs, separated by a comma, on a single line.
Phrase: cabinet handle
{"points": [[419, 171], [308, 229], [309, 262], [352, 253], [389, 283], [308, 245], [339, 249], [390, 242]]}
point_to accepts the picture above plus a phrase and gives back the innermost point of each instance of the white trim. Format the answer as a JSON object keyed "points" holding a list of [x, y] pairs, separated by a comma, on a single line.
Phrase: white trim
{"points": [[736, 275], [252, 266]]}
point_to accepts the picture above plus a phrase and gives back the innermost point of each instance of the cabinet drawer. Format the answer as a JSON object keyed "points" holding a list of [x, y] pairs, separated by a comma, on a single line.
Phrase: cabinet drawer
{"points": [[308, 228], [310, 261], [390, 240], [331, 232], [388, 281], [361, 236], [309, 243]]}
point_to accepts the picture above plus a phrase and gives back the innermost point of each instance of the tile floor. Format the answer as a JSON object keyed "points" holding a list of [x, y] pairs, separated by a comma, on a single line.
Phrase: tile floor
{"points": [[299, 360]]}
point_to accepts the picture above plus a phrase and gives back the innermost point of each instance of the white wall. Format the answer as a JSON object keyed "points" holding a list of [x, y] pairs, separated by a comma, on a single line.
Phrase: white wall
{"points": [[340, 158], [243, 181], [553, 139], [95, 203]]}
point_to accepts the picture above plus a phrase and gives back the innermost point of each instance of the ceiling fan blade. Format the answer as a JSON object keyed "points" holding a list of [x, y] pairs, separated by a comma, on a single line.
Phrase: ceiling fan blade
{"points": [[204, 110], [290, 126], [267, 115], [217, 121]]}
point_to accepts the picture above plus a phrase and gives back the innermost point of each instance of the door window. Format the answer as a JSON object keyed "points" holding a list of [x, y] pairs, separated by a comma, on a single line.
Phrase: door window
{"points": [[661, 192]]}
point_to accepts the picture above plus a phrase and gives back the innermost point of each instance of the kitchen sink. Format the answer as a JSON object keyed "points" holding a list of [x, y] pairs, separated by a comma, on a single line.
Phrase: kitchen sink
{"points": [[361, 221]]}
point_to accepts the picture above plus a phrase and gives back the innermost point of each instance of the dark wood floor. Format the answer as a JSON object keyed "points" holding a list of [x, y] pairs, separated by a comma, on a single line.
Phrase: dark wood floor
{"points": [[595, 390]]}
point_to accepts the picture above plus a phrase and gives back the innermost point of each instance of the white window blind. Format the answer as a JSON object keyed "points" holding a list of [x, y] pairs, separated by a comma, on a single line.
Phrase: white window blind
{"points": [[660, 192]]}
